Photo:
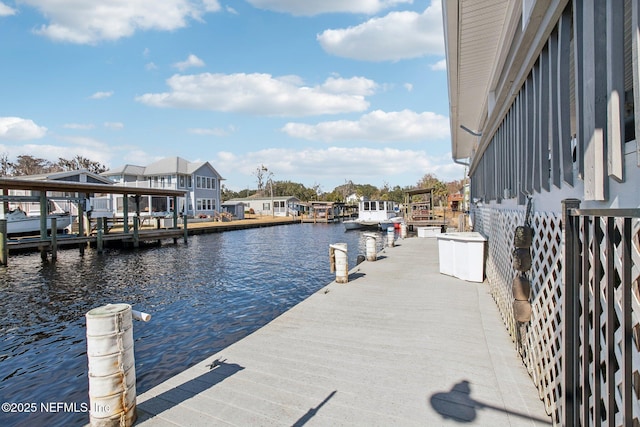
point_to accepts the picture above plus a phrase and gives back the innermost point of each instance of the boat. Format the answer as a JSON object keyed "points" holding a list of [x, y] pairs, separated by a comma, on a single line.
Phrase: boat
{"points": [[376, 214], [19, 223]]}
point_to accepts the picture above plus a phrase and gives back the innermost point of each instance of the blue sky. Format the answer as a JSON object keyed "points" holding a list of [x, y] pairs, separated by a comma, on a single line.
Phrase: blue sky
{"points": [[319, 92]]}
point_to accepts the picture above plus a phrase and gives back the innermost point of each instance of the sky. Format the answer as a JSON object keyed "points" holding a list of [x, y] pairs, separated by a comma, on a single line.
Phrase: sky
{"points": [[318, 92]]}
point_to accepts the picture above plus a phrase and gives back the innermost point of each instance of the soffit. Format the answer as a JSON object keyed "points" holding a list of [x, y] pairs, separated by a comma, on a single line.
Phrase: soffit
{"points": [[474, 32]]}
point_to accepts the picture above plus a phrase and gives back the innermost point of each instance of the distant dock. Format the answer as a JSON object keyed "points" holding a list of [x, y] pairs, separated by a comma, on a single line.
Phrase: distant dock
{"points": [[400, 344]]}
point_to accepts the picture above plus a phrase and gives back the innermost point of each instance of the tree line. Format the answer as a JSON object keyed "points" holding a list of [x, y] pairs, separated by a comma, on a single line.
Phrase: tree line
{"points": [[30, 165], [266, 186]]}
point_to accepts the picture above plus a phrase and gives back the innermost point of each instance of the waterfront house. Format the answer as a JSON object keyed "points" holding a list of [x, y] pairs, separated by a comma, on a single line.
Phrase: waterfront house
{"points": [[275, 206], [200, 181], [543, 97], [58, 200]]}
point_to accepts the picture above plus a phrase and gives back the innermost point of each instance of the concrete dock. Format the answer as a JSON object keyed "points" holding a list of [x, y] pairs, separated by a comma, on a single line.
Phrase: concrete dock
{"points": [[400, 344]]}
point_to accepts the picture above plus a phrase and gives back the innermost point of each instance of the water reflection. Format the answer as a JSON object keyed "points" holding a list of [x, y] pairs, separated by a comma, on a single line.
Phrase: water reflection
{"points": [[203, 297]]}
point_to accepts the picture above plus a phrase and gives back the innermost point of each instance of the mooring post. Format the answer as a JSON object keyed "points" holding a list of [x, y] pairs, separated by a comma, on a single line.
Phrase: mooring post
{"points": [[370, 246], [125, 212], [390, 237], [4, 249], [184, 226], [339, 262], [136, 235], [112, 373], [54, 239], [81, 223], [100, 232]]}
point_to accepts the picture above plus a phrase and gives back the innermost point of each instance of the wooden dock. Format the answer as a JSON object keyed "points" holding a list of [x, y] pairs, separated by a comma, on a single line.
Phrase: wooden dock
{"points": [[400, 344]]}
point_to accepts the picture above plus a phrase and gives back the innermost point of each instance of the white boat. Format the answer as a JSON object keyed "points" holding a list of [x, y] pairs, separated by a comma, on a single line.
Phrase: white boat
{"points": [[18, 222], [378, 214]]}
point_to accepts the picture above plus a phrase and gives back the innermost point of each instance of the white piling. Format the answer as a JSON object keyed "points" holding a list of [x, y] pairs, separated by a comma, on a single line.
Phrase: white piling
{"points": [[112, 374], [339, 261], [403, 230], [370, 246], [390, 236]]}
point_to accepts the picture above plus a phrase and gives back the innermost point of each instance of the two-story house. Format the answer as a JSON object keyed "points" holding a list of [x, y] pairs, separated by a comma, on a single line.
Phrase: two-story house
{"points": [[200, 181]]}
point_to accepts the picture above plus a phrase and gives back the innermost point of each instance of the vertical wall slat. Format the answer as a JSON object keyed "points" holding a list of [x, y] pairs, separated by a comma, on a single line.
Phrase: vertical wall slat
{"points": [[615, 88], [543, 135], [578, 36], [594, 99], [536, 113], [554, 109], [635, 42], [528, 136], [564, 95]]}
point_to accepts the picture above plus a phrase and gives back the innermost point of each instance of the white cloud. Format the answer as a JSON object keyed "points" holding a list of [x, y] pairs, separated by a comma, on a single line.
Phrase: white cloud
{"points": [[332, 166], [378, 126], [101, 95], [78, 126], [18, 129], [210, 131], [262, 94], [231, 10], [6, 10], [440, 65], [114, 125], [408, 87], [150, 66], [396, 36], [315, 7], [88, 22], [191, 61]]}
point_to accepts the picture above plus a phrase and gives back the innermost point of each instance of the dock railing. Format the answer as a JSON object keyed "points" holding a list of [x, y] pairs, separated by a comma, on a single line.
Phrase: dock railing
{"points": [[600, 316]]}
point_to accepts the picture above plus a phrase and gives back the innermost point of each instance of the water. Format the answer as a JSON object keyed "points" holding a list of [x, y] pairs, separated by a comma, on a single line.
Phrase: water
{"points": [[203, 297]]}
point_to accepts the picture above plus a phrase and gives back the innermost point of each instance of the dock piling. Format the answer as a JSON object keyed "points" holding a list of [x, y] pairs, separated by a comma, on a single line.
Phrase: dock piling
{"points": [[339, 262], [99, 235], [370, 246], [54, 239], [4, 249], [390, 237], [112, 374]]}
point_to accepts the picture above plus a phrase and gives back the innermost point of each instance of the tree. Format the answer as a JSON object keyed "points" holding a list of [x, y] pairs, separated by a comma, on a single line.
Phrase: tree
{"points": [[263, 175], [440, 192], [79, 162], [29, 165]]}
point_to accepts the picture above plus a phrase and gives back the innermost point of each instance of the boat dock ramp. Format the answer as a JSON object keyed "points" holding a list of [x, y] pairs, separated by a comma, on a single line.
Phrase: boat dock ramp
{"points": [[399, 344]]}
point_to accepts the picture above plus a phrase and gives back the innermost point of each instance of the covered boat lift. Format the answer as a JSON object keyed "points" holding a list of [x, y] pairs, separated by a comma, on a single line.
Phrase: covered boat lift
{"points": [[80, 193]]}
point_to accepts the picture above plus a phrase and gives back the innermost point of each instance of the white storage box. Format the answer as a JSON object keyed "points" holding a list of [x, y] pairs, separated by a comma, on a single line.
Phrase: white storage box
{"points": [[429, 231], [462, 255]]}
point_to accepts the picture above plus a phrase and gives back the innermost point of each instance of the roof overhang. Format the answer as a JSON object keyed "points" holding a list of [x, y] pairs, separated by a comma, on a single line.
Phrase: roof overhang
{"points": [[474, 32], [82, 187]]}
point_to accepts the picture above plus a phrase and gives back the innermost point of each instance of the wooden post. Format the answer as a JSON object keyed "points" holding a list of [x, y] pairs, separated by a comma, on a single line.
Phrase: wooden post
{"points": [[125, 213], [136, 236], [81, 223], [54, 239], [99, 241], [4, 250], [184, 226], [43, 224]]}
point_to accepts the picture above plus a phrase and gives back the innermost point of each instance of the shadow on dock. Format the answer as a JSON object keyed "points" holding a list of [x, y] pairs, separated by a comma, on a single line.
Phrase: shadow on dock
{"points": [[312, 412], [220, 370], [458, 405]]}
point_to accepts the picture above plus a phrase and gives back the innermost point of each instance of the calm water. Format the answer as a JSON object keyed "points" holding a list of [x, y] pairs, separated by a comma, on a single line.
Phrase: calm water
{"points": [[202, 296]]}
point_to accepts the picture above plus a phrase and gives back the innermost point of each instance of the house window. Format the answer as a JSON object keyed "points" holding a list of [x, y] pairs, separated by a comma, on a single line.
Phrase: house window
{"points": [[266, 206], [198, 182], [181, 182], [189, 182]]}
